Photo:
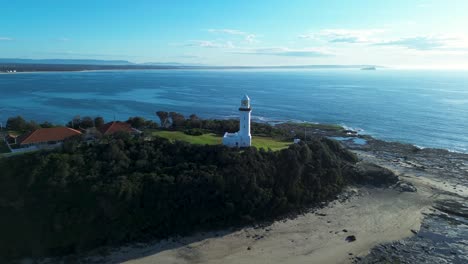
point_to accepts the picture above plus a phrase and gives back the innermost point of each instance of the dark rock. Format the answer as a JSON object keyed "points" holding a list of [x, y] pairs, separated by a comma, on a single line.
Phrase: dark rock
{"points": [[414, 231], [405, 187], [345, 230], [369, 173], [350, 238], [350, 253], [249, 248]]}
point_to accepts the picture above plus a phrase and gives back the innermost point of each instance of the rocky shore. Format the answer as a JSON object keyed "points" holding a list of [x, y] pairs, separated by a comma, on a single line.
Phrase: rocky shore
{"points": [[440, 175]]}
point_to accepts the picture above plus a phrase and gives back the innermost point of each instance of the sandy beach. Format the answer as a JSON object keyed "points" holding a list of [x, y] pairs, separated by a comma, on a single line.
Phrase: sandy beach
{"points": [[372, 215]]}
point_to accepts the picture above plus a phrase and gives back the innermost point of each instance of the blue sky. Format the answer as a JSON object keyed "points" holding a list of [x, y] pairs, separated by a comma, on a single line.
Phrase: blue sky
{"points": [[407, 34]]}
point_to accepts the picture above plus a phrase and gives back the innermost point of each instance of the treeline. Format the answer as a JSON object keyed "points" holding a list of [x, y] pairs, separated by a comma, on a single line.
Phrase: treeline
{"points": [[97, 122], [19, 124], [177, 121], [84, 196], [168, 120]]}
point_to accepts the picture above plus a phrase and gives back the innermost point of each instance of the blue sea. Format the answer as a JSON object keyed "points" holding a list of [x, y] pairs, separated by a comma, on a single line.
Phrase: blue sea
{"points": [[425, 108]]}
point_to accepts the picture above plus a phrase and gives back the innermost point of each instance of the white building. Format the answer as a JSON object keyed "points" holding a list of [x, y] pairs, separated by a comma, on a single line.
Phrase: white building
{"points": [[243, 137]]}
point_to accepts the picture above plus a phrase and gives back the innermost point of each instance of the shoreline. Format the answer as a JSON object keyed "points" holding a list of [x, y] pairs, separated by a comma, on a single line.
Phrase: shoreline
{"points": [[373, 215]]}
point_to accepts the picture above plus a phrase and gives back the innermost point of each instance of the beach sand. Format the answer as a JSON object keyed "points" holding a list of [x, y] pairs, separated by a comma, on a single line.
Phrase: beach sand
{"points": [[372, 215]]}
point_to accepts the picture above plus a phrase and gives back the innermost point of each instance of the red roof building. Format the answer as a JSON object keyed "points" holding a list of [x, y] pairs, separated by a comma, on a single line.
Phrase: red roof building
{"points": [[114, 127], [47, 136]]}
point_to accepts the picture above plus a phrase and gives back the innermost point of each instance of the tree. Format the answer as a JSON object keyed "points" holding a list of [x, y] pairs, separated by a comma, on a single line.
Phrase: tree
{"points": [[86, 122], [98, 122], [137, 122], [194, 121], [75, 122], [151, 124], [194, 117], [164, 117], [16, 123], [46, 125], [178, 120], [31, 126]]}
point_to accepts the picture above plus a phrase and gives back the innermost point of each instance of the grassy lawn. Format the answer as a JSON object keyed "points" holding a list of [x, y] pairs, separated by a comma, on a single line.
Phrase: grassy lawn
{"points": [[212, 139], [267, 142]]}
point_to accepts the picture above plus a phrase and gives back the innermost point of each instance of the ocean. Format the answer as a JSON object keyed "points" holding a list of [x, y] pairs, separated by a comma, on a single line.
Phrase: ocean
{"points": [[425, 108]]}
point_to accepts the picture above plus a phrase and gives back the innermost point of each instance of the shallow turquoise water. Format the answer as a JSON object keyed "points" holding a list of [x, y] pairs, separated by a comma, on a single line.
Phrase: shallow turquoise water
{"points": [[427, 108]]}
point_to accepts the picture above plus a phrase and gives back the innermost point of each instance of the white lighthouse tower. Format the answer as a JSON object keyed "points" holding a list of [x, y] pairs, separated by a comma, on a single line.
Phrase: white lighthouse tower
{"points": [[243, 138]]}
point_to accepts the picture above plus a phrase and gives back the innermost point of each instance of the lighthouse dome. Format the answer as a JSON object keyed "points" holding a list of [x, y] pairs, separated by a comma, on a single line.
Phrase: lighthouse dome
{"points": [[245, 102]]}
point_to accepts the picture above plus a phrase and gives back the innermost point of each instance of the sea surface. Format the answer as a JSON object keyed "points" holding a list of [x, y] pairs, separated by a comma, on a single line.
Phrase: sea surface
{"points": [[426, 108]]}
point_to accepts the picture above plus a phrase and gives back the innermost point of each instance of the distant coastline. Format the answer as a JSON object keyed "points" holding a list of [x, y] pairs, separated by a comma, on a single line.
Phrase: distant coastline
{"points": [[7, 66], [372, 68]]}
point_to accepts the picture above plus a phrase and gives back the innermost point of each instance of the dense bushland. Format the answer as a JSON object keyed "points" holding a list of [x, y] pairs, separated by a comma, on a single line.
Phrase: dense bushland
{"points": [[83, 196]]}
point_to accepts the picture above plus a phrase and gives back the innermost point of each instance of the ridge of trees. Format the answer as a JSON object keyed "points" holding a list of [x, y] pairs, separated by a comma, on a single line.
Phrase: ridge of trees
{"points": [[83, 196], [168, 120]]}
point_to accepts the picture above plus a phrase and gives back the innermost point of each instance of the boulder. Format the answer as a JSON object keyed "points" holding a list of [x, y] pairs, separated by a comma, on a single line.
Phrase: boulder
{"points": [[405, 187]]}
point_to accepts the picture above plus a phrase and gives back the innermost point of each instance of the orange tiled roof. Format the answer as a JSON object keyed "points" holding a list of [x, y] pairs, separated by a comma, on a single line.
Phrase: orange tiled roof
{"points": [[43, 135], [114, 127]]}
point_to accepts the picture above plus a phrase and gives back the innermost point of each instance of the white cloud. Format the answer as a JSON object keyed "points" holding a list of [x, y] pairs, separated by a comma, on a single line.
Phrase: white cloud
{"points": [[5, 39], [288, 52], [251, 38], [436, 43], [248, 37], [345, 35], [228, 31], [210, 44], [374, 37], [417, 43]]}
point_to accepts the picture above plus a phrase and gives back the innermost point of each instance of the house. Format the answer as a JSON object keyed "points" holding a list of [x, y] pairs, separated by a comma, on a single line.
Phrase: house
{"points": [[11, 139], [46, 137], [114, 127]]}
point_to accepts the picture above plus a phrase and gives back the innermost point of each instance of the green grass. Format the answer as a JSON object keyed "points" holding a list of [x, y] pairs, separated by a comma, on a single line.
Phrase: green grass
{"points": [[213, 139], [210, 139], [267, 142]]}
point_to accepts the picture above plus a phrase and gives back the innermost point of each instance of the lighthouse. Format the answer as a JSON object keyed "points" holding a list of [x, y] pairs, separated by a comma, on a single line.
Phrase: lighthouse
{"points": [[243, 138]]}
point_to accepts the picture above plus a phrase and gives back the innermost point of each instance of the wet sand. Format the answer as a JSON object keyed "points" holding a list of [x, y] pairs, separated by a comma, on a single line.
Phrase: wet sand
{"points": [[372, 215]]}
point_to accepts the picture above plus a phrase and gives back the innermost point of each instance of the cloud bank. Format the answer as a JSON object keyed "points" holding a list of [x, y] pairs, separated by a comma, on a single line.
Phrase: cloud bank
{"points": [[286, 52]]}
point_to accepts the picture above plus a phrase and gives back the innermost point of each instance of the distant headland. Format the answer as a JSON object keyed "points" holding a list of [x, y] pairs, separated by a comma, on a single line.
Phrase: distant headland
{"points": [[14, 65]]}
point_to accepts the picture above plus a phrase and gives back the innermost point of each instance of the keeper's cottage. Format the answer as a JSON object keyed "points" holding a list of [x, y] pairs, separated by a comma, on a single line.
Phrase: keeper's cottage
{"points": [[243, 137]]}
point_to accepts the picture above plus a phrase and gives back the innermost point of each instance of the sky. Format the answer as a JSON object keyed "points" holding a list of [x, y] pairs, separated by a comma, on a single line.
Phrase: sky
{"points": [[396, 33]]}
